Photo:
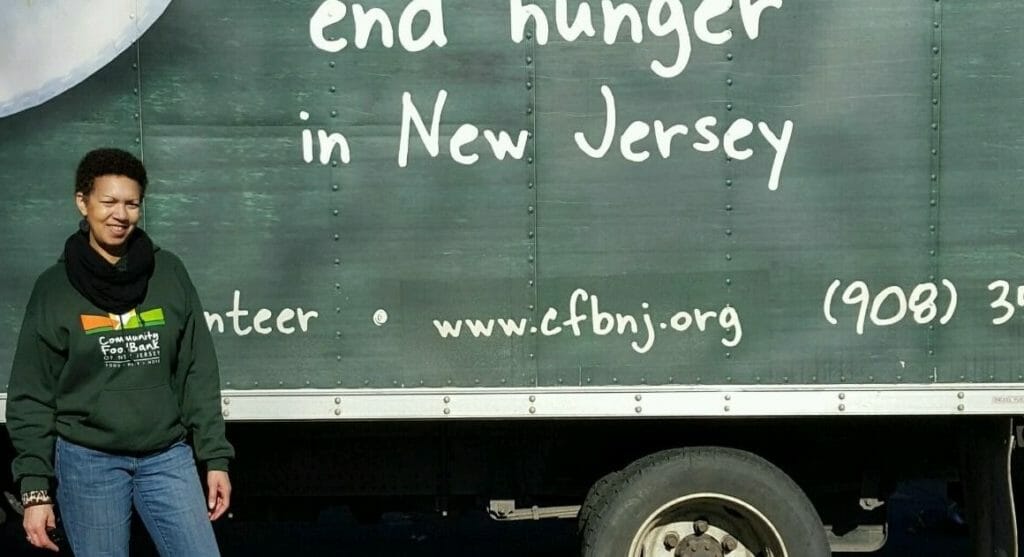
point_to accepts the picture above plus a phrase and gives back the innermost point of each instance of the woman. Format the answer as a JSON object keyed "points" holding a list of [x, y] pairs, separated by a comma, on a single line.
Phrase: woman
{"points": [[114, 371]]}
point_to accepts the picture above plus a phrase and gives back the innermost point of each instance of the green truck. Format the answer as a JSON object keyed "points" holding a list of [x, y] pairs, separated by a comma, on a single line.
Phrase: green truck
{"points": [[711, 277]]}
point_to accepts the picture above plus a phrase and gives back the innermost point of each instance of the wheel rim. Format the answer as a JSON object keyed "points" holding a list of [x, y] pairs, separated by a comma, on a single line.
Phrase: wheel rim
{"points": [[710, 523]]}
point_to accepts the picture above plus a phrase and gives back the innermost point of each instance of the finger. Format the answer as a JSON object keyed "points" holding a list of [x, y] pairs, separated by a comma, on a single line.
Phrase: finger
{"points": [[217, 511], [211, 497], [223, 501], [51, 521], [222, 504], [47, 543], [222, 508], [39, 538]]}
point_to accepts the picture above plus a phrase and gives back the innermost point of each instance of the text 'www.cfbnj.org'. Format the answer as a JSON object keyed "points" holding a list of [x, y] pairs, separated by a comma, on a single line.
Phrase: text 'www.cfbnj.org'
{"points": [[585, 316]]}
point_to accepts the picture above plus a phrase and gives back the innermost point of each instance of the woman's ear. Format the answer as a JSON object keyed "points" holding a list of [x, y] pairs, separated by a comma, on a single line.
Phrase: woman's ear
{"points": [[80, 201]]}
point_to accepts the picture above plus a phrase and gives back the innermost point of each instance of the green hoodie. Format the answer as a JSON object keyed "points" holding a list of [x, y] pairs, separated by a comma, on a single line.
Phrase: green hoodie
{"points": [[127, 384]]}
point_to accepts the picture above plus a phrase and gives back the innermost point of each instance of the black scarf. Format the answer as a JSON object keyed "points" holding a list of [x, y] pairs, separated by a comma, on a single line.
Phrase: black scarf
{"points": [[114, 288]]}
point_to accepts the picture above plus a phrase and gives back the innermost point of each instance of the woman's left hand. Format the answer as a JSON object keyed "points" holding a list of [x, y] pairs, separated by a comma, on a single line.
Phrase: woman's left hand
{"points": [[218, 497]]}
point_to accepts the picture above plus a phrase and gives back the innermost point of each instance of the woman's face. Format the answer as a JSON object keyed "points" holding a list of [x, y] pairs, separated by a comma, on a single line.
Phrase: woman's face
{"points": [[112, 211]]}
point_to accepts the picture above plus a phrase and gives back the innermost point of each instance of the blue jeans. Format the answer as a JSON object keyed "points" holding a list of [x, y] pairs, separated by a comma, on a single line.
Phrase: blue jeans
{"points": [[96, 491]]}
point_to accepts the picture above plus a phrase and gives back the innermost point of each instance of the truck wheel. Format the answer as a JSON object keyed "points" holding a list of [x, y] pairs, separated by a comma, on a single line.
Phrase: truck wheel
{"points": [[596, 499], [705, 502]]}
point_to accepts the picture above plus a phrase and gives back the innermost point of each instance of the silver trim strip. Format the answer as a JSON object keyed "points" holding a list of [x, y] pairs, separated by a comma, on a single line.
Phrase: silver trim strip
{"points": [[619, 402]]}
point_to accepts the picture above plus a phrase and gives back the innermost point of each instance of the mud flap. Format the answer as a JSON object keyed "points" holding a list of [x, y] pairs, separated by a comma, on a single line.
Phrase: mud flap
{"points": [[986, 447]]}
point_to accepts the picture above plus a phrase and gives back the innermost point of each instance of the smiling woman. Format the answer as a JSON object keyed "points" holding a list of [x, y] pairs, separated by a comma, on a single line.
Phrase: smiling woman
{"points": [[49, 47], [114, 372]]}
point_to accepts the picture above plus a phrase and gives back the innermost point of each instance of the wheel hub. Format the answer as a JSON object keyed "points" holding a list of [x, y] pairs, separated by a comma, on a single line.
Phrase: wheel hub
{"points": [[701, 545], [723, 527]]}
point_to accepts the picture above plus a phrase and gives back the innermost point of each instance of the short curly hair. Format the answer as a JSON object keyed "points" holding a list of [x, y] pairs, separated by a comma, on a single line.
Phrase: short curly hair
{"points": [[108, 161]]}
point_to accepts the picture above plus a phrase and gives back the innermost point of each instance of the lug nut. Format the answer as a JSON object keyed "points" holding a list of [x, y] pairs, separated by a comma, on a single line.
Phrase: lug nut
{"points": [[729, 544], [671, 540], [699, 527]]}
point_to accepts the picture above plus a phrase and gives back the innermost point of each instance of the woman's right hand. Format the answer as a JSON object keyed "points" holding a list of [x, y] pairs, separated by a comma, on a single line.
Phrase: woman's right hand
{"points": [[39, 520]]}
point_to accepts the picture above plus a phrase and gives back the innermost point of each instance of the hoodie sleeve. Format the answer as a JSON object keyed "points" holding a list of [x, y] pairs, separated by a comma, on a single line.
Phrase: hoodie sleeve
{"points": [[199, 381], [31, 398]]}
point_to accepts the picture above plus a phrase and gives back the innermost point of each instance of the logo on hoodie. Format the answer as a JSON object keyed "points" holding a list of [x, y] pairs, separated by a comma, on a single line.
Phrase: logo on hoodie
{"points": [[93, 324], [131, 349]]}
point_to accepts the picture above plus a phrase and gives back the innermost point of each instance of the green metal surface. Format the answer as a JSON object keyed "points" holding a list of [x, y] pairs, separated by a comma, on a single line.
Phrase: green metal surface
{"points": [[903, 168]]}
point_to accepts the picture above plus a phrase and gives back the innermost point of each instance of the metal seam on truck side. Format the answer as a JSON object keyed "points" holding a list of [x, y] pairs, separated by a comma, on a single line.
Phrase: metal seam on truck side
{"points": [[533, 198], [729, 172], [334, 180], [935, 177]]}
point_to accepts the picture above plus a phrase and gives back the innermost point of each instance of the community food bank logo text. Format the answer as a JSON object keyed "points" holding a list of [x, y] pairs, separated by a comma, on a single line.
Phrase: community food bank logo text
{"points": [[136, 349]]}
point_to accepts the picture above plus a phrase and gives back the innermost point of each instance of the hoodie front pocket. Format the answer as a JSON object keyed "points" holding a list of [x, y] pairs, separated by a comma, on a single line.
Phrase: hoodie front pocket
{"points": [[136, 419]]}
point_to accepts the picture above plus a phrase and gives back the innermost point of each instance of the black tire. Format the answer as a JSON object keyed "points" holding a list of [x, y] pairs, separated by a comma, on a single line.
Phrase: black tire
{"points": [[741, 493], [597, 495], [595, 500]]}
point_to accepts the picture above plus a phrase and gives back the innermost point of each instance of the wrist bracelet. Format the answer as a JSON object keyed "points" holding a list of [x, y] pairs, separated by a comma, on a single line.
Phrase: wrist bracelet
{"points": [[33, 498]]}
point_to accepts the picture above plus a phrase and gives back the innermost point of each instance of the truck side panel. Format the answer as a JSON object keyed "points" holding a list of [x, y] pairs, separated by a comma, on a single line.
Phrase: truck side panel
{"points": [[834, 212]]}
